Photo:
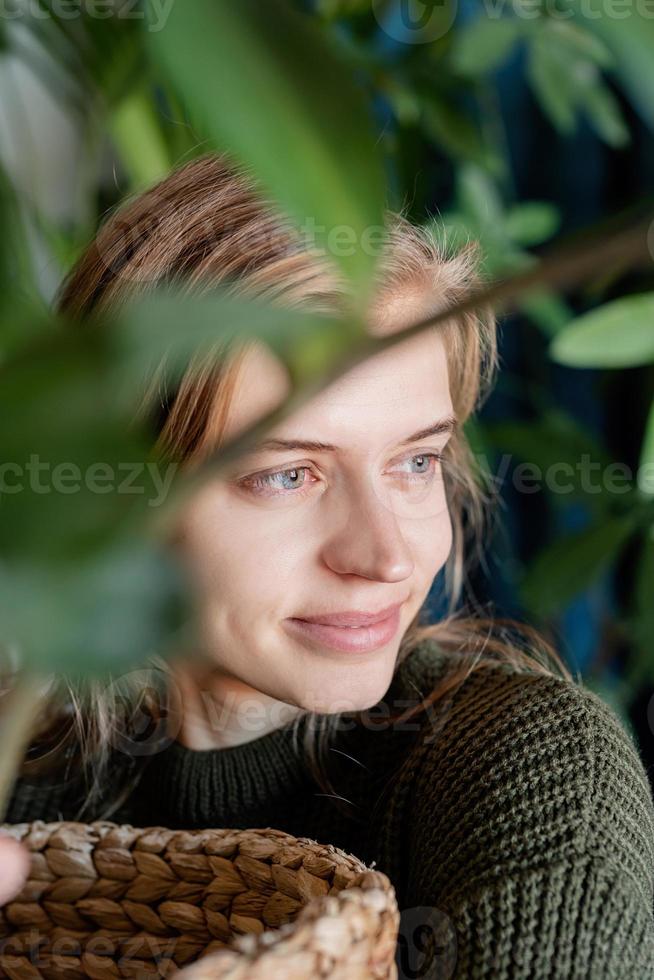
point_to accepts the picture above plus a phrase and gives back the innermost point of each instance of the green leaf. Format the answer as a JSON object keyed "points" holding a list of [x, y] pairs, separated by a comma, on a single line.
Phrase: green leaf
{"points": [[479, 198], [16, 270], [605, 113], [646, 466], [617, 335], [25, 320], [73, 465], [403, 99], [565, 72], [573, 563], [137, 133], [579, 41], [631, 40], [146, 330], [548, 73], [98, 616], [532, 223], [264, 85], [485, 44]]}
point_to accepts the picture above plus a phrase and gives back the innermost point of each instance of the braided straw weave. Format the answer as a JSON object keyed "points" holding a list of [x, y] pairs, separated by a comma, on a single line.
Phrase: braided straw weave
{"points": [[105, 900]]}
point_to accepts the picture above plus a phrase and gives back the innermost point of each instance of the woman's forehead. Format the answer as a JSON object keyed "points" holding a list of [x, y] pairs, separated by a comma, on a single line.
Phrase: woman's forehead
{"points": [[398, 386]]}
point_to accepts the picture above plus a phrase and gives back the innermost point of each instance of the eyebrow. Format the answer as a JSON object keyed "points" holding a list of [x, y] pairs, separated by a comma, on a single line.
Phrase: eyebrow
{"points": [[447, 424]]}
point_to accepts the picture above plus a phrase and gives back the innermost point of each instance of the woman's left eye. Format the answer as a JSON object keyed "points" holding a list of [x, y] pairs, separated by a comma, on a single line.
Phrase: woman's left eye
{"points": [[426, 463]]}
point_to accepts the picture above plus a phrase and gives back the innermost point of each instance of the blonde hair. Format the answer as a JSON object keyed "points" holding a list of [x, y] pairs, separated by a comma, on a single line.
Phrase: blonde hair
{"points": [[207, 223]]}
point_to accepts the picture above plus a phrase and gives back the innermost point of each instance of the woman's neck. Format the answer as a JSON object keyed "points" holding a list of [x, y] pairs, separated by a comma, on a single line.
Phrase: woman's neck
{"points": [[213, 710]]}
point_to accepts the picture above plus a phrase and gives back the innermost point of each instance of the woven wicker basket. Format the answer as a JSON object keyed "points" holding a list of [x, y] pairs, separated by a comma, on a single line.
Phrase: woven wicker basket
{"points": [[105, 900]]}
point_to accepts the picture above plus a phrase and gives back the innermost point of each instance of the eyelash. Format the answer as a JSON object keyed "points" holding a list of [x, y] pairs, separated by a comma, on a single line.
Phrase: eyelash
{"points": [[258, 482]]}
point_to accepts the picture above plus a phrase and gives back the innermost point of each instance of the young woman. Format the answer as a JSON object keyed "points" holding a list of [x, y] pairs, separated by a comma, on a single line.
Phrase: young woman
{"points": [[506, 802]]}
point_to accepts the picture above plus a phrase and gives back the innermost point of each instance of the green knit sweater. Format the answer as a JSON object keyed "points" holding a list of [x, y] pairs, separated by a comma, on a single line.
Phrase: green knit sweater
{"points": [[516, 822]]}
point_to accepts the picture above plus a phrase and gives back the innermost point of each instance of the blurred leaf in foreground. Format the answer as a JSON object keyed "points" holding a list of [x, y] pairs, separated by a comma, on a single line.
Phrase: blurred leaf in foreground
{"points": [[296, 117], [102, 615], [72, 464]]}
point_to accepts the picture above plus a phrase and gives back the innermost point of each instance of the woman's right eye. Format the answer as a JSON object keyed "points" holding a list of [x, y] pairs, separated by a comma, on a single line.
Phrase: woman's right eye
{"points": [[279, 482]]}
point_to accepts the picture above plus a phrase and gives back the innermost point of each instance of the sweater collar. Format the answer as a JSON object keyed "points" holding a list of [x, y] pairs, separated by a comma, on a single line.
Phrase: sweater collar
{"points": [[222, 787], [239, 785]]}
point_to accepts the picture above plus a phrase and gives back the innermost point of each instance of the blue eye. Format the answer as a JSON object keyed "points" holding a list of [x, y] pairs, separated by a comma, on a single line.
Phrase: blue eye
{"points": [[291, 476], [425, 458], [282, 480]]}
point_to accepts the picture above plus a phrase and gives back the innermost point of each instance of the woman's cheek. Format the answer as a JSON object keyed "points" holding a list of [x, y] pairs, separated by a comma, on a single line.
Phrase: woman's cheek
{"points": [[436, 540]]}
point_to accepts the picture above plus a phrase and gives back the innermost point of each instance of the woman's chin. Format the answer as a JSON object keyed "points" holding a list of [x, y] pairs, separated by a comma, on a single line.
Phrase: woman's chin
{"points": [[331, 700]]}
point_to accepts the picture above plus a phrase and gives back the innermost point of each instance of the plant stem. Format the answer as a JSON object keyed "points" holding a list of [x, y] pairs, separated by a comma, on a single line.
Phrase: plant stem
{"points": [[17, 718]]}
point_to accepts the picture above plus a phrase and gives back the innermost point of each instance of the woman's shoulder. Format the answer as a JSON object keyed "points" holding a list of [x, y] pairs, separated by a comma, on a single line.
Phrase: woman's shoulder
{"points": [[528, 763], [535, 725], [522, 827], [532, 710]]}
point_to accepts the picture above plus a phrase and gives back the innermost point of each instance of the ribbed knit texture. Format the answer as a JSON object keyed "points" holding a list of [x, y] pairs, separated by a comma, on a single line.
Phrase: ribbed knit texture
{"points": [[517, 823]]}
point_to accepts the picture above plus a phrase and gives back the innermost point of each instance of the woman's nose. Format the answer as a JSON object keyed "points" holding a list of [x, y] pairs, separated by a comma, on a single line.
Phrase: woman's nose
{"points": [[369, 541]]}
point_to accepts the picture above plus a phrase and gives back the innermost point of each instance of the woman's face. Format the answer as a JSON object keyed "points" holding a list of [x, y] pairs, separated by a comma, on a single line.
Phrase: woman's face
{"points": [[299, 532]]}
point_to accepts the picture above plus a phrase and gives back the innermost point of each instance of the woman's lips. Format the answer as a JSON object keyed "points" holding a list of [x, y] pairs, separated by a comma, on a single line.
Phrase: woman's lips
{"points": [[349, 639]]}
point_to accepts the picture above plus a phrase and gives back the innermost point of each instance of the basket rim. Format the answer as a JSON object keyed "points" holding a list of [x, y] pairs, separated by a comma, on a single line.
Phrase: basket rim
{"points": [[367, 900]]}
